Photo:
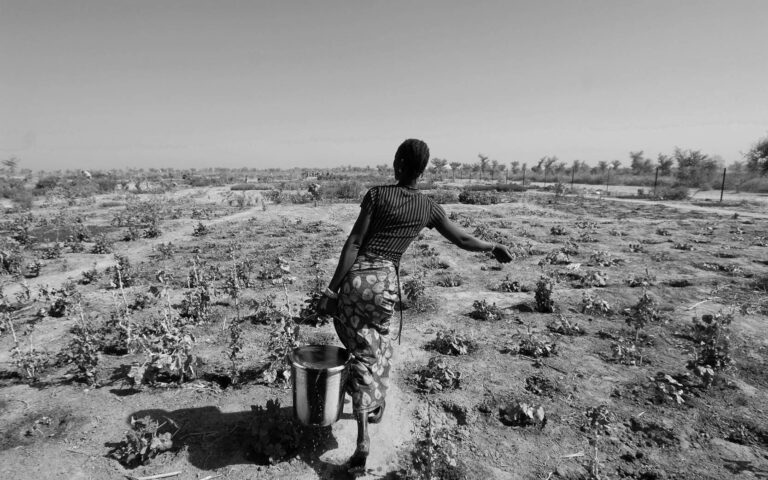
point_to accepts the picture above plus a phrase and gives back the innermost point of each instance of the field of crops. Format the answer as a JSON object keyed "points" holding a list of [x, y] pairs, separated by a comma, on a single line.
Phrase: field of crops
{"points": [[145, 334]]}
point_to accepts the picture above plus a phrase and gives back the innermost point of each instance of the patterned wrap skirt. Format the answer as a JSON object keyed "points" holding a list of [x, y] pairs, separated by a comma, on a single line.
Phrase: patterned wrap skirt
{"points": [[366, 304]]}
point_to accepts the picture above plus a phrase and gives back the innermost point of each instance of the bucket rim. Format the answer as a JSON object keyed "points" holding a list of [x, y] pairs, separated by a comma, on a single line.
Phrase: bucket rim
{"points": [[338, 368]]}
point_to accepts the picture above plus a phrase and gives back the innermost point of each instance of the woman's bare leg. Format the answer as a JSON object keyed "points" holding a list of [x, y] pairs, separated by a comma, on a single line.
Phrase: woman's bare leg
{"points": [[357, 462]]}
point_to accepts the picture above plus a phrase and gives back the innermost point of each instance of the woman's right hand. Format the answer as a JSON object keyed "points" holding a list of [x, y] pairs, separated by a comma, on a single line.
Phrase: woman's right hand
{"points": [[327, 306], [502, 253]]}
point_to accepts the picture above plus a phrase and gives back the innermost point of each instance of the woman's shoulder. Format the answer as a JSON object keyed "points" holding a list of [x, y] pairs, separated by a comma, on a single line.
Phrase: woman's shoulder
{"points": [[383, 189]]}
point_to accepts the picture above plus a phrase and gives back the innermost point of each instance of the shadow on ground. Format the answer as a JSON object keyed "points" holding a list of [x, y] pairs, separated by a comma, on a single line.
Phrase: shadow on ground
{"points": [[214, 439]]}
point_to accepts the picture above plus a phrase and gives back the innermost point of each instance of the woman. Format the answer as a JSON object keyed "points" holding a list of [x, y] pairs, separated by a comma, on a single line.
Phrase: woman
{"points": [[365, 286]]}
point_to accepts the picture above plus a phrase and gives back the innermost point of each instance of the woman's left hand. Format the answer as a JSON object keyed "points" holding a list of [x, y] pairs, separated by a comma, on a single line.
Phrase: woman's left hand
{"points": [[502, 254]]}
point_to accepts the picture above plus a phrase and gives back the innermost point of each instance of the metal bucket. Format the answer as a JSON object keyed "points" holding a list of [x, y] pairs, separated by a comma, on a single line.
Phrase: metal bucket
{"points": [[319, 379]]}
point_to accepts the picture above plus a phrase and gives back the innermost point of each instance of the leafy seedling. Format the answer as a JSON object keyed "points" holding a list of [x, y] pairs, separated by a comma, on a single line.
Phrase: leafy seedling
{"points": [[712, 334], [142, 443], [543, 295], [669, 388], [540, 385], [482, 310], [274, 434], [437, 377], [598, 422], [518, 414], [532, 347], [563, 326], [555, 257], [452, 343], [642, 313], [508, 285], [591, 304], [593, 278]]}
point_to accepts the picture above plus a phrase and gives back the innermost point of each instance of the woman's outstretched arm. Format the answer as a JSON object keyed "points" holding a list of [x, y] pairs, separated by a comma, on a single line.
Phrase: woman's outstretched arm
{"points": [[465, 241], [350, 250]]}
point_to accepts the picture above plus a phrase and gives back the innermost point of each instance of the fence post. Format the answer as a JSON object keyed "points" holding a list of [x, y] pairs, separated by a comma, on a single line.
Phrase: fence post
{"points": [[573, 172], [655, 180], [523, 175], [722, 187]]}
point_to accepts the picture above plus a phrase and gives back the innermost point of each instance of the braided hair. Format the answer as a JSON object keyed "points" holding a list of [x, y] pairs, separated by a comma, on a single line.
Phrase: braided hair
{"points": [[412, 158]]}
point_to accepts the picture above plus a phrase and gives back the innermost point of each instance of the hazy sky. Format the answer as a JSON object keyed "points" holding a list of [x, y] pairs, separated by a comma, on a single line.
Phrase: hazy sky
{"points": [[103, 84]]}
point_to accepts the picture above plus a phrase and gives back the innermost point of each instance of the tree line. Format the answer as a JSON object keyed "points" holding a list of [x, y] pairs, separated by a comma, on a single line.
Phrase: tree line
{"points": [[687, 167]]}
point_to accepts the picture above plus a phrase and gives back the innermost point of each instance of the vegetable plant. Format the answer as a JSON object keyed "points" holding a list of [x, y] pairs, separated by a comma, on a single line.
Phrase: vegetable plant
{"points": [[283, 339], [274, 435], [520, 414], [102, 245], [563, 326], [168, 354], [712, 335], [200, 230], [598, 422], [142, 443], [482, 310], [592, 304], [452, 343], [449, 280], [437, 376], [543, 295], [30, 362], [533, 347], [83, 350], [508, 285], [642, 313]]}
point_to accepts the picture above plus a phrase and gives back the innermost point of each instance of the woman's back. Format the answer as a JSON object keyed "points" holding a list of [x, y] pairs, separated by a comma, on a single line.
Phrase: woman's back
{"points": [[398, 214]]}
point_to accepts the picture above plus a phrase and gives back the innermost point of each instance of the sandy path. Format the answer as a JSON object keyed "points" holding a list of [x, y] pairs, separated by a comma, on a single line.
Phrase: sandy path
{"points": [[693, 208], [685, 207], [387, 437]]}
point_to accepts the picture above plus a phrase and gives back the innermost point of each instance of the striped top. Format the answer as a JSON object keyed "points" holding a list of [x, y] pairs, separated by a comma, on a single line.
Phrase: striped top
{"points": [[398, 214]]}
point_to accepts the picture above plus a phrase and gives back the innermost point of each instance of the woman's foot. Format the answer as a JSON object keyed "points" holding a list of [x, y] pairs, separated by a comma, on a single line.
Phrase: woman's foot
{"points": [[375, 415], [359, 458]]}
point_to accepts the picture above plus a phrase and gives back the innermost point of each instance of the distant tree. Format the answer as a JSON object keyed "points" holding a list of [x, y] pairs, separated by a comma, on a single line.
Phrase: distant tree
{"points": [[602, 166], [438, 164], [576, 166], [640, 165], [514, 167], [695, 169], [466, 168], [494, 167], [477, 168], [559, 167], [383, 169], [736, 167], [665, 163], [549, 163], [539, 166], [615, 164], [483, 164], [501, 169], [757, 157], [738, 171], [455, 166], [11, 164], [545, 164]]}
